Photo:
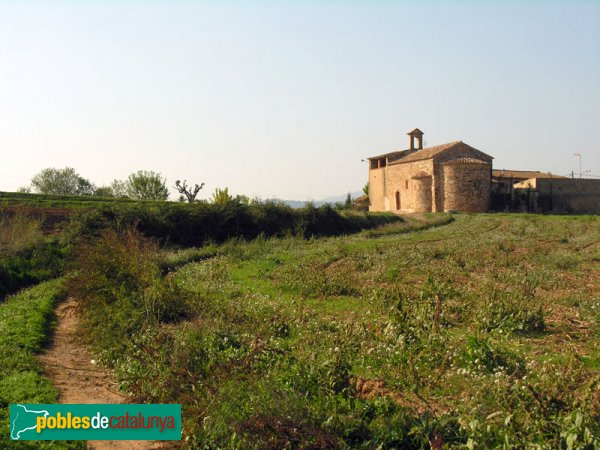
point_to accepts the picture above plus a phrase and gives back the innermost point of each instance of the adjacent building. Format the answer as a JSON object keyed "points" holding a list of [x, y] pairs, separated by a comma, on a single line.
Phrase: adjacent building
{"points": [[558, 195]]}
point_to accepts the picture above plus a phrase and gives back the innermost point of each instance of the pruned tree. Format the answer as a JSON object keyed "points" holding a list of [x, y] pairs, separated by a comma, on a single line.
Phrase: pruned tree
{"points": [[183, 189]]}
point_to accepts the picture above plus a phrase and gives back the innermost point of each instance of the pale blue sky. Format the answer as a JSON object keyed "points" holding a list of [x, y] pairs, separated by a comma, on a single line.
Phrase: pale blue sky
{"points": [[285, 98]]}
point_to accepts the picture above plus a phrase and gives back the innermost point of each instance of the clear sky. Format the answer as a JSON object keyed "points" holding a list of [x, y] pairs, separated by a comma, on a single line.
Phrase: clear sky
{"points": [[284, 98]]}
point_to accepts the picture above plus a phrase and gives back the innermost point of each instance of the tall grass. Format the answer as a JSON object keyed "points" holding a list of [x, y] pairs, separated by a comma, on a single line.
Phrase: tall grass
{"points": [[18, 230], [26, 255], [117, 277]]}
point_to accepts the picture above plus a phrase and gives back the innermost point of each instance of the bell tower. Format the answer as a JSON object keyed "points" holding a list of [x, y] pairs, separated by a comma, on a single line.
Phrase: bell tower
{"points": [[418, 135]]}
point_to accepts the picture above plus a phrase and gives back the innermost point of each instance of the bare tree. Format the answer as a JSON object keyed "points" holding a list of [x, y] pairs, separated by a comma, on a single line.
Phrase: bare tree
{"points": [[183, 189]]}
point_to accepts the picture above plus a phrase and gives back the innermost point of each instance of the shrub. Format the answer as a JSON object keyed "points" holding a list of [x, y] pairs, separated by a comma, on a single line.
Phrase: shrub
{"points": [[198, 223], [482, 355], [313, 280], [509, 312], [39, 262], [419, 316], [329, 376], [18, 231], [177, 357], [118, 282]]}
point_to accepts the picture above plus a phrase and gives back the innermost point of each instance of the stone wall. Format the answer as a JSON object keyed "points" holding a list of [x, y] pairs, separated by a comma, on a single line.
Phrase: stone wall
{"points": [[400, 183], [566, 195], [423, 192], [377, 189], [467, 185]]}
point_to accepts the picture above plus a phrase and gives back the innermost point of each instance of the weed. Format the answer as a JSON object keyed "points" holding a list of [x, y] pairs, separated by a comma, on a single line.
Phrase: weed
{"points": [[508, 312]]}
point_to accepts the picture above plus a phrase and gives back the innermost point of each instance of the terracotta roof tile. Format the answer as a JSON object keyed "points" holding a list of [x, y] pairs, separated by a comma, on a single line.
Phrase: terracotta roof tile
{"points": [[465, 161], [402, 156], [522, 174], [429, 152]]}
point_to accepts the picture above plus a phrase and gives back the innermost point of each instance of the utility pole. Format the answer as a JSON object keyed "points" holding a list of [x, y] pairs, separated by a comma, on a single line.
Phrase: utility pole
{"points": [[579, 156]]}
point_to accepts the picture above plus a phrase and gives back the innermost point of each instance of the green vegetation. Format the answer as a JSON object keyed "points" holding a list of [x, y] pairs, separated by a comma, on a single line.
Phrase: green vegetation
{"points": [[25, 199], [465, 331], [25, 325], [480, 332], [18, 231], [199, 223], [141, 185], [26, 255], [147, 185], [61, 182]]}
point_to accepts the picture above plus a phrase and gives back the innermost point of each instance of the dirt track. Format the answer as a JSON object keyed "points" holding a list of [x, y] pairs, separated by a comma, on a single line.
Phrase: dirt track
{"points": [[70, 366]]}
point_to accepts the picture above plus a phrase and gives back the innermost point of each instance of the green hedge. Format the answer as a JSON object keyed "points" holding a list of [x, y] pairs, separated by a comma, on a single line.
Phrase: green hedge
{"points": [[65, 201], [197, 224], [31, 265]]}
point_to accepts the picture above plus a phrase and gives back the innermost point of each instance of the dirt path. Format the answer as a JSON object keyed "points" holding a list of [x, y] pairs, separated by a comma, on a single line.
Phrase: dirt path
{"points": [[69, 365]]}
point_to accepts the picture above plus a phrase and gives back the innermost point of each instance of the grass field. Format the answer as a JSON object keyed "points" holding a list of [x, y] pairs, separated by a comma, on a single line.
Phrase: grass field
{"points": [[64, 201], [480, 333], [25, 326]]}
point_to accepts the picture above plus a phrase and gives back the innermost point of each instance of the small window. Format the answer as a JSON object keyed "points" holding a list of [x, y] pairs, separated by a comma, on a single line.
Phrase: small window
{"points": [[406, 184]]}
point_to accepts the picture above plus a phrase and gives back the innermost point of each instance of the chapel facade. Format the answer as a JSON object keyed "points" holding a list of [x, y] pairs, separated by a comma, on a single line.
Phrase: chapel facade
{"points": [[448, 177]]}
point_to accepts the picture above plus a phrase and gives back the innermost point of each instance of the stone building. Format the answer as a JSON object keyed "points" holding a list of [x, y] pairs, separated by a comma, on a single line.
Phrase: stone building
{"points": [[453, 176], [504, 180], [558, 194]]}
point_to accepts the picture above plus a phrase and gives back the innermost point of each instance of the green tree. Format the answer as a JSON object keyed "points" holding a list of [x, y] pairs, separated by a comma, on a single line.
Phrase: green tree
{"points": [[103, 191], [119, 189], [221, 196], [61, 182], [366, 188], [243, 199], [147, 185], [348, 202]]}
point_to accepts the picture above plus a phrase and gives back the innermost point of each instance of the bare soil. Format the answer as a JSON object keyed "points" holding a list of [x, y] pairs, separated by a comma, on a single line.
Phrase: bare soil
{"points": [[70, 366]]}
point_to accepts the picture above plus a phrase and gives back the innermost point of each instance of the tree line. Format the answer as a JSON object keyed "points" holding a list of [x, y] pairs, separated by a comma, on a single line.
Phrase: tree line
{"points": [[140, 185], [145, 185]]}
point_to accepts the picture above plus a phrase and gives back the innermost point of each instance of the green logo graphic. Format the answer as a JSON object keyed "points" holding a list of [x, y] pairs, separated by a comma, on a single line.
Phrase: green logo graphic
{"points": [[95, 422]]}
